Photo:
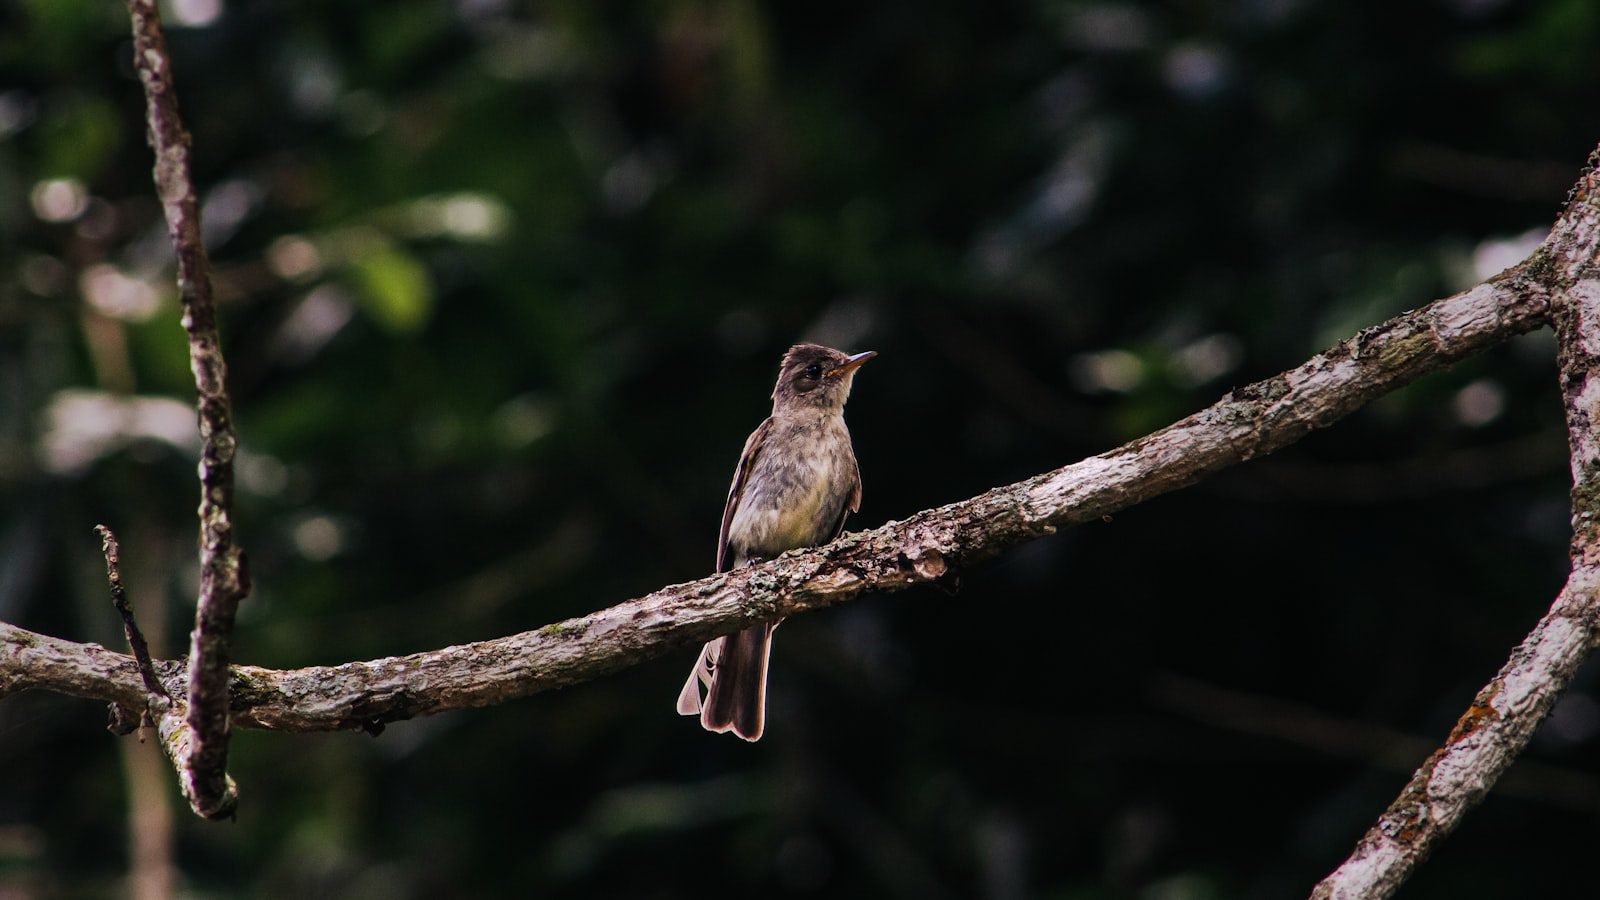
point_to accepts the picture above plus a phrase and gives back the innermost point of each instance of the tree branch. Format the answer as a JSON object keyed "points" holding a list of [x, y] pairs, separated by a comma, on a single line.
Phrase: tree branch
{"points": [[158, 706], [222, 579], [1503, 716], [1246, 423]]}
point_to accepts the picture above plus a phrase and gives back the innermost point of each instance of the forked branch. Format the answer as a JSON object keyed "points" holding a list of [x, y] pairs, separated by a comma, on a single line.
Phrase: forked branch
{"points": [[222, 580], [1497, 726]]}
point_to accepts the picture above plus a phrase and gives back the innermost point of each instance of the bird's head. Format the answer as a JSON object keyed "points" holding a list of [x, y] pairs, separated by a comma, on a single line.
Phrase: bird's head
{"points": [[815, 376]]}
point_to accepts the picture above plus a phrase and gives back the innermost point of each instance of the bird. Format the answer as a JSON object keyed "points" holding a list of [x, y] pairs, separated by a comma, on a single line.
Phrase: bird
{"points": [[796, 483]]}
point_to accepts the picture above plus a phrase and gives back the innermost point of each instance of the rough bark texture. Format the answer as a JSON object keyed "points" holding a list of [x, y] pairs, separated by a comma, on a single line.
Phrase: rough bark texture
{"points": [[926, 548], [1502, 718], [222, 581]]}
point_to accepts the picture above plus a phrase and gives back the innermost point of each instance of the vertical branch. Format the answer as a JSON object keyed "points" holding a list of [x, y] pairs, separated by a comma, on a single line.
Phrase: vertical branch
{"points": [[223, 582], [1497, 726]]}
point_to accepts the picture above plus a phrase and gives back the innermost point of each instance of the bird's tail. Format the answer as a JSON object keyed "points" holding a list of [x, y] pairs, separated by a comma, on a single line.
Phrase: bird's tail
{"points": [[733, 670]]}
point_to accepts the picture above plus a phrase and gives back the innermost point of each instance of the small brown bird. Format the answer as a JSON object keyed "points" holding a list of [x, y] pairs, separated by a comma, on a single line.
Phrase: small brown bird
{"points": [[796, 483]]}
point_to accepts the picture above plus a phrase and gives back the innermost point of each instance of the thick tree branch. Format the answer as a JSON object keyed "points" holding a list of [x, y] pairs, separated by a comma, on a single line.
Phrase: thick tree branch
{"points": [[222, 580], [1246, 423], [1502, 718]]}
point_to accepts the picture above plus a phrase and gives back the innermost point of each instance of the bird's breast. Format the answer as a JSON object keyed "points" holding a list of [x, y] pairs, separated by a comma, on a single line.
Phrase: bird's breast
{"points": [[795, 493]]}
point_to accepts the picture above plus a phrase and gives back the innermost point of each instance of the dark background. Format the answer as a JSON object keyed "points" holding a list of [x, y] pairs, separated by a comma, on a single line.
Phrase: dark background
{"points": [[504, 287]]}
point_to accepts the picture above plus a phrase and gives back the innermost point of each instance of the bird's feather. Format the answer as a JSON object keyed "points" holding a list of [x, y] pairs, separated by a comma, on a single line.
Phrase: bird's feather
{"points": [[741, 476]]}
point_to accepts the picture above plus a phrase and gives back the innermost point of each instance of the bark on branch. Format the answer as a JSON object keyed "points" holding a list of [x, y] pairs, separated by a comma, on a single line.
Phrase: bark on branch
{"points": [[1497, 726], [1248, 422], [222, 580], [169, 715]]}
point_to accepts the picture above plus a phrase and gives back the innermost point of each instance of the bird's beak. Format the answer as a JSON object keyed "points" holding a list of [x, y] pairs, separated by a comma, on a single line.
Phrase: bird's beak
{"points": [[851, 364]]}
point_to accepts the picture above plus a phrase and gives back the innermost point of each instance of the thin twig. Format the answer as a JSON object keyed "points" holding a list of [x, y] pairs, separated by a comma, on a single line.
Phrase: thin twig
{"points": [[169, 715], [1497, 727], [119, 599], [222, 580]]}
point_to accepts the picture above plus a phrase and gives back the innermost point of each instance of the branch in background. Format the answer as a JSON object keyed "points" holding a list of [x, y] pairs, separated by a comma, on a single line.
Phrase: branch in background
{"points": [[1248, 422], [1452, 471], [1502, 719], [152, 873], [151, 841], [1379, 746], [222, 580]]}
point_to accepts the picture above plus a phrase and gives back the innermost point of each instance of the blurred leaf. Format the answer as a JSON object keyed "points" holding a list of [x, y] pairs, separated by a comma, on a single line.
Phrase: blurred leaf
{"points": [[78, 135], [394, 287], [162, 351], [404, 34], [1557, 42]]}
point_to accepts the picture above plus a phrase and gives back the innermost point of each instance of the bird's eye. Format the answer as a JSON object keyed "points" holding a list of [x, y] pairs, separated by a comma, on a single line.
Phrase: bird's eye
{"points": [[813, 371]]}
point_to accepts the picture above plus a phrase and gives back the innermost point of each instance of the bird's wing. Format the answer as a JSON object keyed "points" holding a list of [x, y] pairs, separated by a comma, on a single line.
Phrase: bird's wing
{"points": [[855, 499], [747, 460]]}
